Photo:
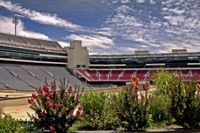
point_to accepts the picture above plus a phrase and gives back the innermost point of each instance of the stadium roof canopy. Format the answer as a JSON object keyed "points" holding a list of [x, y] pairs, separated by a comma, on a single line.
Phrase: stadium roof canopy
{"points": [[24, 42]]}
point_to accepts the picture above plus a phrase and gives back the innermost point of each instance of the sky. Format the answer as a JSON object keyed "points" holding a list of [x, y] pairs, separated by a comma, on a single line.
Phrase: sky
{"points": [[108, 26]]}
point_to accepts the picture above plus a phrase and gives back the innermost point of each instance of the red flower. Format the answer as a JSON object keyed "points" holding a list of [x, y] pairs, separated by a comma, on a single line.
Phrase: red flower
{"points": [[50, 105], [56, 105], [30, 101], [46, 88], [60, 114], [38, 90], [41, 114], [50, 95], [69, 88], [78, 113], [34, 96], [79, 107], [52, 129]]}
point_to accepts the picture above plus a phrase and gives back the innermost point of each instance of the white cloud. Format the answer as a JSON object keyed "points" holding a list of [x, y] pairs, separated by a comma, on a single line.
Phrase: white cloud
{"points": [[64, 44], [180, 27], [140, 1], [105, 31], [6, 26], [40, 17], [152, 1], [125, 1], [123, 9], [92, 41]]}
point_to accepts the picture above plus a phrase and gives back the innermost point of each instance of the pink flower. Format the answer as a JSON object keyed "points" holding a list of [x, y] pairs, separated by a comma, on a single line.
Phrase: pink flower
{"points": [[46, 88], [52, 129], [56, 105], [34, 96], [45, 93], [30, 101], [38, 90], [50, 95], [50, 105], [41, 114], [69, 88]]}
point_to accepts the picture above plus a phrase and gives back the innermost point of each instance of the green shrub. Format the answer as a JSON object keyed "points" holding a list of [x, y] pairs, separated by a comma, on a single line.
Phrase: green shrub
{"points": [[98, 113], [131, 108], [10, 125], [183, 99], [159, 109]]}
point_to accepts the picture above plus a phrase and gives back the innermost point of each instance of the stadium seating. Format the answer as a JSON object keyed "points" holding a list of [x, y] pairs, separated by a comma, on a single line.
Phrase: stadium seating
{"points": [[28, 77], [104, 74], [114, 75], [11, 81], [126, 75], [38, 44], [196, 74], [94, 75]]}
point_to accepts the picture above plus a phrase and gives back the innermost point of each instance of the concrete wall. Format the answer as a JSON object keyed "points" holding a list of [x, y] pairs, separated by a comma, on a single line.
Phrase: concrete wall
{"points": [[77, 55]]}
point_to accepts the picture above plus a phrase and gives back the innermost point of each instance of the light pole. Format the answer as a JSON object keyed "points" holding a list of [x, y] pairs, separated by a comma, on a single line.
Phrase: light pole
{"points": [[15, 22]]}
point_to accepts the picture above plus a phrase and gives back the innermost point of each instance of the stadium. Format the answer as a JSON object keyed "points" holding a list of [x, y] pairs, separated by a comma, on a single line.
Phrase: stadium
{"points": [[26, 63]]}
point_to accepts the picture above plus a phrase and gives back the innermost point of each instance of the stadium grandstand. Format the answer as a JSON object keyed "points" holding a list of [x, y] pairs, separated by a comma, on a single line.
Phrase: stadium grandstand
{"points": [[119, 69], [25, 63]]}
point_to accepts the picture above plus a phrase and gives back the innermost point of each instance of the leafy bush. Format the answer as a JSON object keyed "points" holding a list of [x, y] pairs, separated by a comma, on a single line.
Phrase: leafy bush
{"points": [[184, 98], [131, 108], [159, 109], [55, 110], [98, 113], [10, 125]]}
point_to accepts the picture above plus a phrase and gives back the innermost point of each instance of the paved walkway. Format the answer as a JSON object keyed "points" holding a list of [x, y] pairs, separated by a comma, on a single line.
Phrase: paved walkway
{"points": [[15, 104], [18, 112]]}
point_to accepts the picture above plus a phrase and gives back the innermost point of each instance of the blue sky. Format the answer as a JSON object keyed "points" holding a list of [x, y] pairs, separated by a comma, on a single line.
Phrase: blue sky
{"points": [[108, 26]]}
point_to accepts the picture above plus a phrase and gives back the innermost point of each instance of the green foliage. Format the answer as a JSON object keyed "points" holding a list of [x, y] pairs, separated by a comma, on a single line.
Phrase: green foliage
{"points": [[184, 104], [98, 113], [164, 80], [183, 98], [131, 109], [55, 109], [28, 126], [78, 125], [159, 110], [9, 125]]}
